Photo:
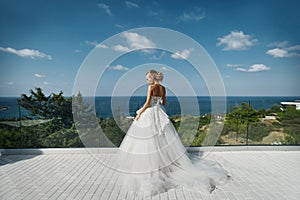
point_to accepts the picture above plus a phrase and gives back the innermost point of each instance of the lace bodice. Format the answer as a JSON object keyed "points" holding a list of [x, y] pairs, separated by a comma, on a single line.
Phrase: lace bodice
{"points": [[155, 100]]}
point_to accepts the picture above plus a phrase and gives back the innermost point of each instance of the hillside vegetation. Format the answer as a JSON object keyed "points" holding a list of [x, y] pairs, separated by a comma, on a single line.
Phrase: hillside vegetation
{"points": [[55, 126]]}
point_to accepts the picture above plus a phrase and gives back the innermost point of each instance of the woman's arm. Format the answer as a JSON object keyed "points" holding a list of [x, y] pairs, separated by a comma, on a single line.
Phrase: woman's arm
{"points": [[147, 103]]}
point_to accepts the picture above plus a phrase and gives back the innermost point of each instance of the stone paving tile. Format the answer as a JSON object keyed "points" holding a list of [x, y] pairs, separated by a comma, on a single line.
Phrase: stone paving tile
{"points": [[256, 175]]}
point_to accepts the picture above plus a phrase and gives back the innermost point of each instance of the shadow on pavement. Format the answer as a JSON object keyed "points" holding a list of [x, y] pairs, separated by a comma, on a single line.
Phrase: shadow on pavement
{"points": [[14, 155]]}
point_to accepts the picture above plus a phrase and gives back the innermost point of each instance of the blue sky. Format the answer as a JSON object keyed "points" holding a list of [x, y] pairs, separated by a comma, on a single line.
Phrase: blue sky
{"points": [[254, 44]]}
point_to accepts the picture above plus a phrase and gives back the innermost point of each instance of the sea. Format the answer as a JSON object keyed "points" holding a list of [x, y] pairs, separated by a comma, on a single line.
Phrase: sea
{"points": [[127, 106]]}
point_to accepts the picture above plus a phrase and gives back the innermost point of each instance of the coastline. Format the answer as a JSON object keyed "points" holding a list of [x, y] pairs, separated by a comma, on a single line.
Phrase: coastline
{"points": [[107, 105]]}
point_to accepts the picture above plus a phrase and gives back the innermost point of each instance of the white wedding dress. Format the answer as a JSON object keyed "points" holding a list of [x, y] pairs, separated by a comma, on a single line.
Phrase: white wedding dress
{"points": [[151, 158]]}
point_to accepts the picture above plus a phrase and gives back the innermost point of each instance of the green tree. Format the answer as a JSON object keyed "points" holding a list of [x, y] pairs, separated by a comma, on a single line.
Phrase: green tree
{"points": [[48, 107], [290, 121], [57, 131], [238, 119], [274, 109], [258, 131], [263, 112]]}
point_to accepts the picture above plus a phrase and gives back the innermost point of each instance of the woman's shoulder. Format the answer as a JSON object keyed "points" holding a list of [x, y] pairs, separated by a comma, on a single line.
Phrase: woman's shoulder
{"points": [[161, 86], [156, 87]]}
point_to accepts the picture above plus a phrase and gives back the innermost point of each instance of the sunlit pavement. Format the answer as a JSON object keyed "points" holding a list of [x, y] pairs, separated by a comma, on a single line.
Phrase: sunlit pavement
{"points": [[258, 173]]}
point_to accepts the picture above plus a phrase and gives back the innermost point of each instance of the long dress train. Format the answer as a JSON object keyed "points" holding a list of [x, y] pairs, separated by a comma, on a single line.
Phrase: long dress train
{"points": [[151, 158]]}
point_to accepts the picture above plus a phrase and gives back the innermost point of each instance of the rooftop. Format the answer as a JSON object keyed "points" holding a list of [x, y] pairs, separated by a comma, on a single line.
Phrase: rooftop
{"points": [[259, 172]]}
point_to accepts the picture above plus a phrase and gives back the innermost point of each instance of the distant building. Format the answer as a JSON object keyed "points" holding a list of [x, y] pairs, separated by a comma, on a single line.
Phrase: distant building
{"points": [[268, 117], [3, 108], [296, 103]]}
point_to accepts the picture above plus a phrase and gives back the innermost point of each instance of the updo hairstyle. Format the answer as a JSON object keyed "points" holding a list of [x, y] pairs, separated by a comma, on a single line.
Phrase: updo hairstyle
{"points": [[156, 75]]}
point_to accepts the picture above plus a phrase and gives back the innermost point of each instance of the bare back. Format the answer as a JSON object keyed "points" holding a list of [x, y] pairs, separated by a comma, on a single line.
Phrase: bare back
{"points": [[160, 91]]}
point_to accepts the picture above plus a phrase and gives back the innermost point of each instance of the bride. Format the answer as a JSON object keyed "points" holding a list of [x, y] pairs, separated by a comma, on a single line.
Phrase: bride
{"points": [[151, 158]]}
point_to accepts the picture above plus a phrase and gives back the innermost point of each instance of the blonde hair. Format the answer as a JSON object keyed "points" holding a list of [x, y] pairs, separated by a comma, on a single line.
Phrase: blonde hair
{"points": [[156, 75]]}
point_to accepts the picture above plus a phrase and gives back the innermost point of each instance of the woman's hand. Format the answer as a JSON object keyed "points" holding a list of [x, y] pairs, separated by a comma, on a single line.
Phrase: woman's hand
{"points": [[137, 116]]}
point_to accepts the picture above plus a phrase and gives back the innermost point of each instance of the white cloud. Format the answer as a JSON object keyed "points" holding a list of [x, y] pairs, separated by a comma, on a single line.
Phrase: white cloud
{"points": [[95, 44], [26, 53], [77, 51], [46, 83], [285, 52], [39, 75], [154, 57], [158, 57], [104, 7], [234, 65], [194, 15], [136, 41], [120, 48], [164, 68], [119, 68], [9, 83], [119, 26], [278, 53], [91, 43], [279, 44], [182, 55], [293, 48], [102, 46], [131, 4], [236, 41], [254, 68]]}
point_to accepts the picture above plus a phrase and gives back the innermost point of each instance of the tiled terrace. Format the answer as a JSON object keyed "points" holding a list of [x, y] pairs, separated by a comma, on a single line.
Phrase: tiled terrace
{"points": [[34, 174]]}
